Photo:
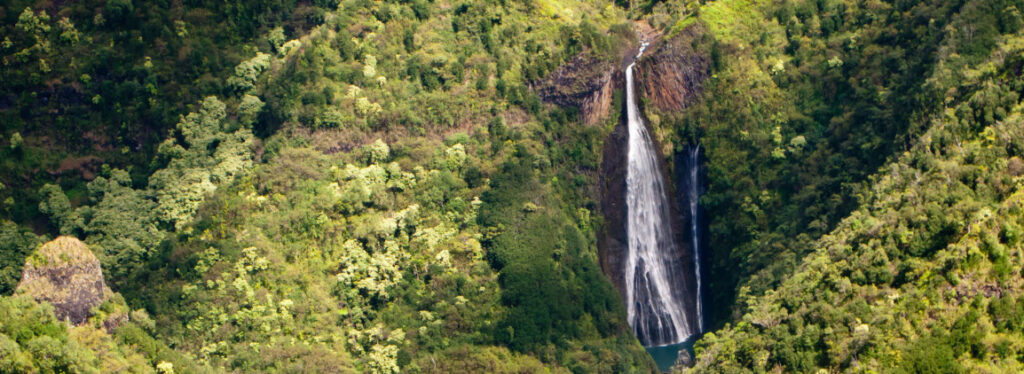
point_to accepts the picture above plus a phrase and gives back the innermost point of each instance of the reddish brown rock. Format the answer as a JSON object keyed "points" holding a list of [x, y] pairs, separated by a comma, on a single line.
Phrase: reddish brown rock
{"points": [[594, 108], [672, 72]]}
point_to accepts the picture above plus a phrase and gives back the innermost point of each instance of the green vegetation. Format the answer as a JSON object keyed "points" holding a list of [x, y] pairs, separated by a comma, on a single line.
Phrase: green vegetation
{"points": [[93, 82], [807, 99], [350, 199], [350, 186], [16, 244], [32, 340]]}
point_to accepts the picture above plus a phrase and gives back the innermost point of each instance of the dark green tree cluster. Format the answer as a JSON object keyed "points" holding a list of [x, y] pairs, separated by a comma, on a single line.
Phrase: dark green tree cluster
{"points": [[16, 243], [541, 258], [92, 82]]}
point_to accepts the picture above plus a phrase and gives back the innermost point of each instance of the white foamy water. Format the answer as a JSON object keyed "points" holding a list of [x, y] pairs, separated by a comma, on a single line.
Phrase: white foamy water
{"points": [[693, 194], [654, 275]]}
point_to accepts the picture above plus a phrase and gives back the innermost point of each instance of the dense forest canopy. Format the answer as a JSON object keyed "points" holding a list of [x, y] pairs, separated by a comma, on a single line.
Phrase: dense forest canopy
{"points": [[415, 186]]}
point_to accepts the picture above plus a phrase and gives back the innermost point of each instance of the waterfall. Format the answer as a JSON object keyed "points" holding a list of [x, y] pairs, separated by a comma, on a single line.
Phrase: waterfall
{"points": [[655, 279], [692, 195]]}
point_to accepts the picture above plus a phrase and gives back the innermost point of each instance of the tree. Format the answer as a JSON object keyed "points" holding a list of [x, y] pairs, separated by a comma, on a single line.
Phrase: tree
{"points": [[929, 355], [246, 73], [16, 141], [378, 152], [207, 156], [122, 223], [55, 203], [15, 245], [249, 109]]}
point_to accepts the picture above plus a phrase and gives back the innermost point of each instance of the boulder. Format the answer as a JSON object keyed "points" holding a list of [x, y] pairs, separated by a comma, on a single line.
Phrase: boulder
{"points": [[66, 274], [685, 358]]}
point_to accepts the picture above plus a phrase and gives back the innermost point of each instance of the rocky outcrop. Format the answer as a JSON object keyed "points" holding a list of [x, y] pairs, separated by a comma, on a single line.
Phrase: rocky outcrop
{"points": [[594, 109], [584, 82], [673, 73], [66, 274]]}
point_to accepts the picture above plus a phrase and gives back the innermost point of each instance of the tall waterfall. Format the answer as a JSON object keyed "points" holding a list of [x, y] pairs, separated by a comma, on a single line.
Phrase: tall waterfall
{"points": [[655, 279]]}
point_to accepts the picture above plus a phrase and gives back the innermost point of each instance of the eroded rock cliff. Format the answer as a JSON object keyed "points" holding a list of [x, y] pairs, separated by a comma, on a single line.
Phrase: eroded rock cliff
{"points": [[612, 242], [673, 71], [584, 82]]}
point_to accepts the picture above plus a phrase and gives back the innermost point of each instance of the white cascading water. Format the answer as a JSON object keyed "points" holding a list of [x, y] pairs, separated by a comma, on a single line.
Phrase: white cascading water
{"points": [[693, 194], [654, 274]]}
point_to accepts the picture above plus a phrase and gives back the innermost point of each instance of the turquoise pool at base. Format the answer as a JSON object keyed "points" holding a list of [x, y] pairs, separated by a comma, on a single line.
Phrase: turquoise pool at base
{"points": [[665, 356]]}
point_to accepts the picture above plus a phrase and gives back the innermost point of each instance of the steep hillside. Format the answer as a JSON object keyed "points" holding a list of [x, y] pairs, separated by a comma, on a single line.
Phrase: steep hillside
{"points": [[87, 83], [806, 100], [383, 193], [925, 275], [862, 164]]}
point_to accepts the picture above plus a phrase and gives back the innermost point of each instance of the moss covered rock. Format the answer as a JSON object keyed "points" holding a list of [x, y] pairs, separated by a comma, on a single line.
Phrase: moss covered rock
{"points": [[66, 274]]}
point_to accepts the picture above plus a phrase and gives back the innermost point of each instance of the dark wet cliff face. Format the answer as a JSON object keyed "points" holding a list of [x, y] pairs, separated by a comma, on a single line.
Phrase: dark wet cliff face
{"points": [[583, 82], [612, 242]]}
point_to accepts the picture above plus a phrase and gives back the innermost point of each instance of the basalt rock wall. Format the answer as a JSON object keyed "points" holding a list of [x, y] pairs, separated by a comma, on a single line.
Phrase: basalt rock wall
{"points": [[612, 241]]}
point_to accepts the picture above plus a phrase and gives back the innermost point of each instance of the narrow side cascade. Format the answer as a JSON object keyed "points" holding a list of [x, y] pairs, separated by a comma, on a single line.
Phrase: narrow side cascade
{"points": [[692, 196], [655, 276]]}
